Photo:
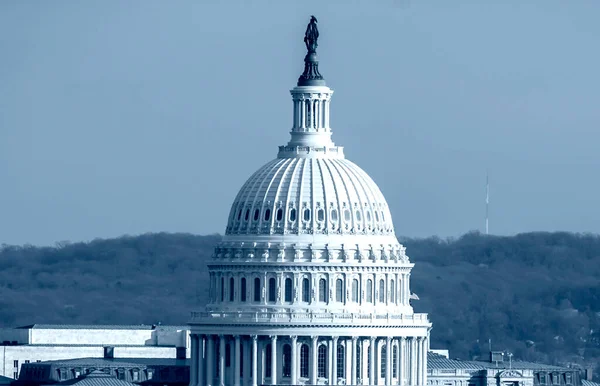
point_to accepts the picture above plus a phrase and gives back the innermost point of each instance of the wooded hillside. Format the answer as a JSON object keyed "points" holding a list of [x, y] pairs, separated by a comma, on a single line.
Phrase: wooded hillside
{"points": [[535, 294]]}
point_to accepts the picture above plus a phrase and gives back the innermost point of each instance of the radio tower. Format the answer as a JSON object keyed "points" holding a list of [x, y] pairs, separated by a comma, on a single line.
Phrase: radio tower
{"points": [[487, 203]]}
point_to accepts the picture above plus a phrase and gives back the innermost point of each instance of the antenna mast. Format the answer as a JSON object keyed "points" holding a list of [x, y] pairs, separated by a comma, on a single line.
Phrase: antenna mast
{"points": [[487, 203]]}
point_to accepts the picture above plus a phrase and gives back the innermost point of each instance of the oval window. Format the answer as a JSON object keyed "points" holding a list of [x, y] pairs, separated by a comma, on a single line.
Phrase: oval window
{"points": [[382, 216], [358, 216], [293, 214], [279, 214], [267, 214], [346, 215], [376, 216], [256, 214], [306, 214], [239, 215], [320, 215], [334, 216], [369, 216], [247, 214]]}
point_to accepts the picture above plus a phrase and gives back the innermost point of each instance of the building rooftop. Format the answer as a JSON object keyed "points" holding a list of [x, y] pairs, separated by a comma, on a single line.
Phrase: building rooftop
{"points": [[585, 382], [102, 327], [97, 378], [5, 380], [115, 362], [439, 362]]}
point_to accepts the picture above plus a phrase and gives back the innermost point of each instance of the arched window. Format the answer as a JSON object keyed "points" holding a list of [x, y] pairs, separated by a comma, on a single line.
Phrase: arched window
{"points": [[292, 215], [288, 289], [369, 291], [355, 290], [257, 289], [358, 215], [287, 360], [231, 289], [239, 215], [247, 215], [394, 360], [334, 215], [306, 214], [392, 291], [346, 215], [243, 289], [268, 361], [383, 361], [322, 361], [304, 357], [320, 215], [305, 290], [222, 289], [341, 355], [256, 214], [339, 290], [279, 215], [323, 290], [376, 216], [267, 214], [381, 291], [272, 289]]}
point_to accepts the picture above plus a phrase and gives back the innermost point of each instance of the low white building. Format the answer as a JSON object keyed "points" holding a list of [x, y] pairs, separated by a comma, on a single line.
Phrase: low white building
{"points": [[45, 342]]}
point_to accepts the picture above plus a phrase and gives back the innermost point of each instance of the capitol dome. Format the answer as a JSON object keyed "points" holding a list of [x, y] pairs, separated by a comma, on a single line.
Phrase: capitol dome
{"points": [[320, 195], [309, 285]]}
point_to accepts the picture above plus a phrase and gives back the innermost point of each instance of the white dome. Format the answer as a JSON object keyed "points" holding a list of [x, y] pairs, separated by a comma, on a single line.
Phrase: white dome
{"points": [[321, 195]]}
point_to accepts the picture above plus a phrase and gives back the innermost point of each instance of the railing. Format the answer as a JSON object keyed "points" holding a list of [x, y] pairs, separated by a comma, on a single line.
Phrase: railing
{"points": [[302, 318]]}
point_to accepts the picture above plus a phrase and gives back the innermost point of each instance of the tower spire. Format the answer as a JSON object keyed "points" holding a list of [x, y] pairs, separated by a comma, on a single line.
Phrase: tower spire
{"points": [[311, 75]]}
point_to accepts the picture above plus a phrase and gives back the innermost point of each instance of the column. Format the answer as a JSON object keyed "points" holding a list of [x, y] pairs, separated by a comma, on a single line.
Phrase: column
{"points": [[294, 369], [334, 364], [348, 355], [373, 377], [254, 360], [273, 359], [313, 364], [414, 372], [200, 361], [330, 361], [411, 362], [210, 360], [194, 367], [221, 360], [400, 360], [424, 361], [236, 368], [327, 113], [302, 113], [354, 364], [388, 361]]}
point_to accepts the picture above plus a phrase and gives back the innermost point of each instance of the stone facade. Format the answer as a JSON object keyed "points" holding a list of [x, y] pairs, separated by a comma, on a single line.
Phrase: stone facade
{"points": [[36, 343]]}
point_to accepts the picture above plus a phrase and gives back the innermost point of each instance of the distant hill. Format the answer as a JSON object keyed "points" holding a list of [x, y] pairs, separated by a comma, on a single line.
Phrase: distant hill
{"points": [[535, 294]]}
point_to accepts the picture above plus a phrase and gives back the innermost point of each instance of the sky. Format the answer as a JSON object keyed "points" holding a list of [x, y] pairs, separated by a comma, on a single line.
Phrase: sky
{"points": [[127, 117]]}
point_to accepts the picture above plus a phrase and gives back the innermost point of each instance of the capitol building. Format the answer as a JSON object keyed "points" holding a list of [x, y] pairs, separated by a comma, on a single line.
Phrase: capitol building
{"points": [[309, 285]]}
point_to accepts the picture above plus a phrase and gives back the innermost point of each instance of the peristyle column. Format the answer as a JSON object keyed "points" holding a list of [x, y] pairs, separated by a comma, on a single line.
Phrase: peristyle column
{"points": [[254, 360], [313, 364], [236, 368], [273, 359], [294, 369], [221, 360]]}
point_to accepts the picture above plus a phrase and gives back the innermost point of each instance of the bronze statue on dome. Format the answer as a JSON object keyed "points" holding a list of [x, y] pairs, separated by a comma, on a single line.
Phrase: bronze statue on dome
{"points": [[311, 35]]}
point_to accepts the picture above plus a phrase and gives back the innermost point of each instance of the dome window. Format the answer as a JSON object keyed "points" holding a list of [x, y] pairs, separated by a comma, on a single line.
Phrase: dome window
{"points": [[256, 214], [293, 215], [306, 214], [346, 215], [267, 214], [369, 216], [279, 215], [376, 216], [247, 214], [334, 215], [382, 216], [320, 215], [239, 215], [358, 215]]}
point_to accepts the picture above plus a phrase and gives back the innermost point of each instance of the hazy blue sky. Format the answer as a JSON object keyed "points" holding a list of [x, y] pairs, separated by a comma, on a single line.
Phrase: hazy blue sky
{"points": [[125, 117]]}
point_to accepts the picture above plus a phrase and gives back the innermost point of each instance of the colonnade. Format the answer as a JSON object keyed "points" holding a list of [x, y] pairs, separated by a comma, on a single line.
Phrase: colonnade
{"points": [[311, 113], [252, 360]]}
